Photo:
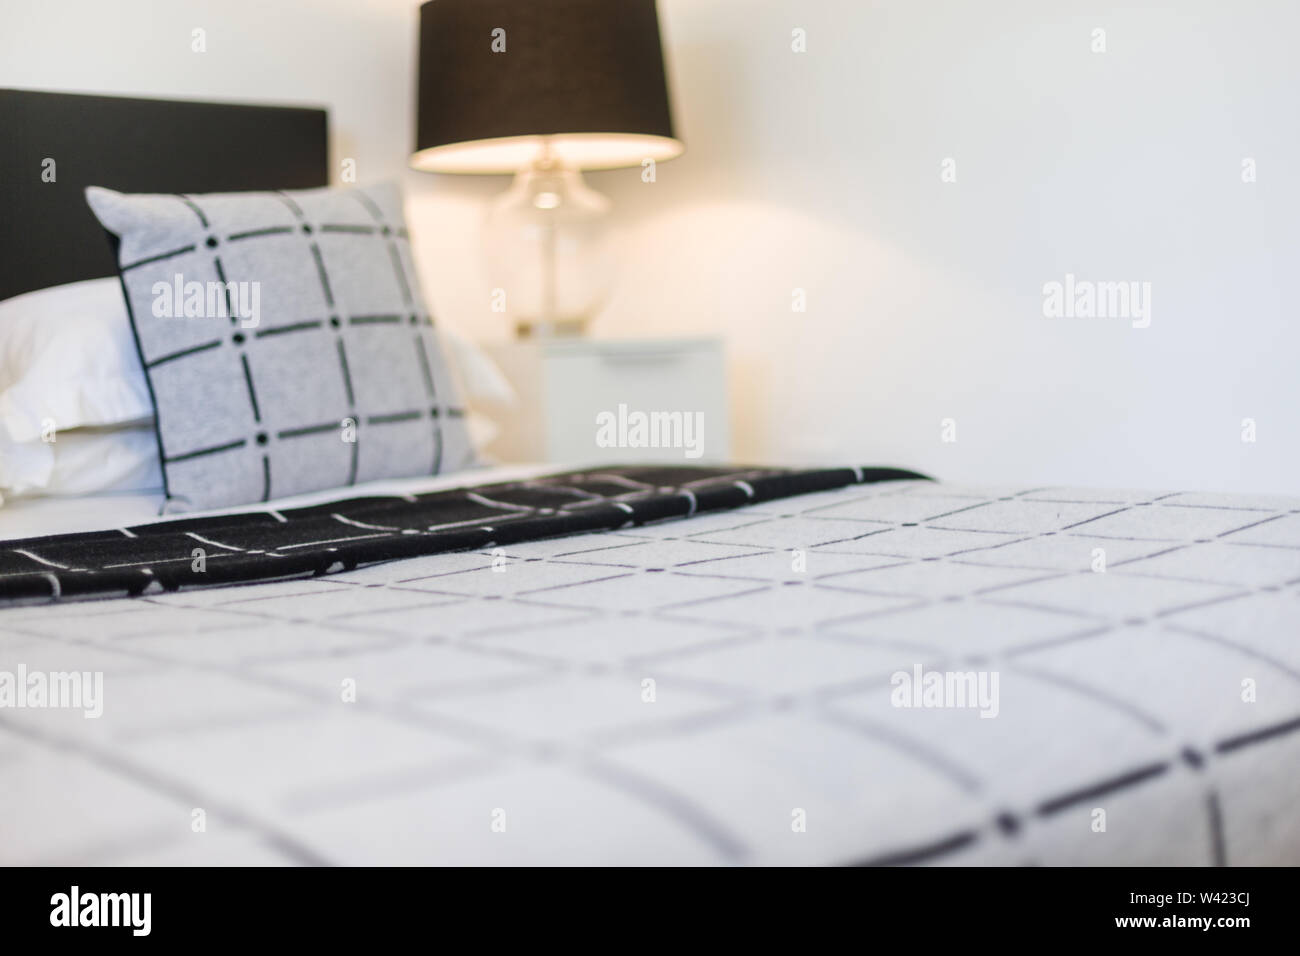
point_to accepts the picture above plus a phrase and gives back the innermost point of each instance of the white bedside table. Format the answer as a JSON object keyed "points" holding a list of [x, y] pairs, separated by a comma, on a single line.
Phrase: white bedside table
{"points": [[586, 401]]}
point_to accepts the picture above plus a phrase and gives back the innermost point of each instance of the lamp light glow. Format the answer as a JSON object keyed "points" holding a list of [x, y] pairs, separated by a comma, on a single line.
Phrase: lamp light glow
{"points": [[544, 89]]}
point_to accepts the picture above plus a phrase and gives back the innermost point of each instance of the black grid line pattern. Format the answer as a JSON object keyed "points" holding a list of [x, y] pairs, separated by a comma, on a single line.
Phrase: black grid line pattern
{"points": [[716, 690], [338, 379]]}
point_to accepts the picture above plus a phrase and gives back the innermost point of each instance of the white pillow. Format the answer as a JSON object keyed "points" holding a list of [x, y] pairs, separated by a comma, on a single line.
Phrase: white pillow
{"points": [[486, 389], [67, 356], [481, 379], [81, 462]]}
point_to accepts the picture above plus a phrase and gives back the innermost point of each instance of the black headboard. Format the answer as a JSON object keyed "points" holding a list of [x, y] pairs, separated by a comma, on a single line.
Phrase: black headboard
{"points": [[47, 234]]}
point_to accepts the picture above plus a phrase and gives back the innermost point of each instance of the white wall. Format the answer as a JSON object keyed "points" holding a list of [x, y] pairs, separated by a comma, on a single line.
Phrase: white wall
{"points": [[821, 171]]}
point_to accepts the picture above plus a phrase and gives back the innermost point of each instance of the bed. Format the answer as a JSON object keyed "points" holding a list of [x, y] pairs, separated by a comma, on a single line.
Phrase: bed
{"points": [[709, 666]]}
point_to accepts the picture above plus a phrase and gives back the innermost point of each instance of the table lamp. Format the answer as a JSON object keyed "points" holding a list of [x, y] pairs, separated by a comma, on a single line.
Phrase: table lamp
{"points": [[543, 89]]}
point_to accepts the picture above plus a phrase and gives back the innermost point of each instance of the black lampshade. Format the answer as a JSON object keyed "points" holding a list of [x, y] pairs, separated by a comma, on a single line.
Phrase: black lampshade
{"points": [[586, 74]]}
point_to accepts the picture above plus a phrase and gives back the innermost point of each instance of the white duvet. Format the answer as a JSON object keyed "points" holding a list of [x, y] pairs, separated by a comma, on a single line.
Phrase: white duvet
{"points": [[904, 672]]}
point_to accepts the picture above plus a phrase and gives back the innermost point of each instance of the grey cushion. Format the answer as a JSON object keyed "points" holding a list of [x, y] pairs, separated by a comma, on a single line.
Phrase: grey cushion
{"points": [[313, 364]]}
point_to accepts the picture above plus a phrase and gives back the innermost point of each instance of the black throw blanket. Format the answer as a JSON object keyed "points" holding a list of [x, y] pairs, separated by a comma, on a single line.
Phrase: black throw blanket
{"points": [[266, 544]]}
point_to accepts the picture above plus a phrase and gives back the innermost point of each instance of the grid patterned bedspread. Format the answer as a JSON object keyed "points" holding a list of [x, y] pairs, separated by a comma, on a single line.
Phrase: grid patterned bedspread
{"points": [[718, 690]]}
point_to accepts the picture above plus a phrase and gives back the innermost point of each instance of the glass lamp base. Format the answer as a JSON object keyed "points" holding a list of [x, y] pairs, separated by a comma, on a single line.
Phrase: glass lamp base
{"points": [[548, 250]]}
